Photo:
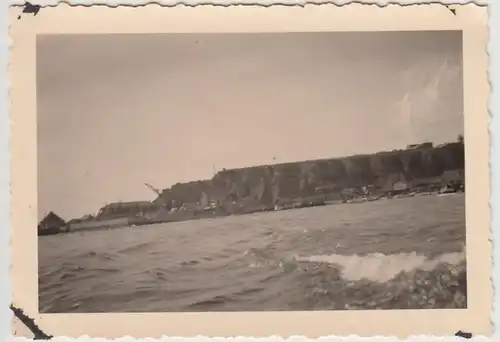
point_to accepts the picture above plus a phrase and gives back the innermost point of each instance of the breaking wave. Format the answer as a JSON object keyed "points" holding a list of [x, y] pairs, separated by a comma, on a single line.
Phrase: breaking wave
{"points": [[382, 268], [378, 281]]}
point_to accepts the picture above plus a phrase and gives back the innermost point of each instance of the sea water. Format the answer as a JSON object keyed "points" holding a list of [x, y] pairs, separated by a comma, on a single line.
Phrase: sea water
{"points": [[406, 253]]}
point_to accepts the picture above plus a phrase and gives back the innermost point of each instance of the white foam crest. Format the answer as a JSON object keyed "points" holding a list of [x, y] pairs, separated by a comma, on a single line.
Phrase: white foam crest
{"points": [[380, 267]]}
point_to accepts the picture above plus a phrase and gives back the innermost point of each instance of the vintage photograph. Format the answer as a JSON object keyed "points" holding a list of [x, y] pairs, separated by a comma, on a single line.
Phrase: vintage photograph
{"points": [[251, 171], [191, 171]]}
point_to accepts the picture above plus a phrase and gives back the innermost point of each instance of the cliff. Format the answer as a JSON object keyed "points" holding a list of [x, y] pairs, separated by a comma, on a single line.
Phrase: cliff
{"points": [[264, 185]]}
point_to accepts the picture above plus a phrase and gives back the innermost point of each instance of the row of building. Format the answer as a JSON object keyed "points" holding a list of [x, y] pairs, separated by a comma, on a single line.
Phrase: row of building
{"points": [[421, 167], [116, 214]]}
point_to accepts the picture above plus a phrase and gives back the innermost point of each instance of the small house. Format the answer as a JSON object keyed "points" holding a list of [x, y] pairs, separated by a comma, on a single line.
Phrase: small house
{"points": [[349, 194], [427, 183], [454, 179], [393, 184], [453, 176], [51, 224], [423, 145], [397, 187], [125, 209], [327, 189]]}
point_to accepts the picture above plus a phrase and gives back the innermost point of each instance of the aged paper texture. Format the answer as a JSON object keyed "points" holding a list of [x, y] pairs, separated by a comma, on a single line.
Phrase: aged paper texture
{"points": [[99, 312]]}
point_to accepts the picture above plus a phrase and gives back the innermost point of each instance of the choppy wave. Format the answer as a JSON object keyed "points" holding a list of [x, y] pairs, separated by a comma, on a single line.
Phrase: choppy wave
{"points": [[321, 282], [381, 268], [291, 260], [371, 281]]}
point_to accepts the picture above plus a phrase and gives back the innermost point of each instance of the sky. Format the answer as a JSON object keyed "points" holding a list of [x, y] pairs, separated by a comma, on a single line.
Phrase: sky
{"points": [[117, 111]]}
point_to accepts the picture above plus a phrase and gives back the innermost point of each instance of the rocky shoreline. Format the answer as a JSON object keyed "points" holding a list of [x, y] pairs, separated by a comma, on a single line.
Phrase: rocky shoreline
{"points": [[167, 217]]}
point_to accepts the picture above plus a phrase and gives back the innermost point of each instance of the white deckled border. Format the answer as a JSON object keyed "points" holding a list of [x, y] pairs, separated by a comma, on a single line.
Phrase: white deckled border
{"points": [[494, 49], [237, 2]]}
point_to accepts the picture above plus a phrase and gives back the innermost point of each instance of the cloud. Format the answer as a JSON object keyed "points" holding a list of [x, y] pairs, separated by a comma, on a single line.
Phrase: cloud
{"points": [[431, 95]]}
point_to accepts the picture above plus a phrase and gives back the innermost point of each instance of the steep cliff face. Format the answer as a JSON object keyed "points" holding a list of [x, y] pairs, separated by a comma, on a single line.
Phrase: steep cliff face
{"points": [[265, 185], [179, 193]]}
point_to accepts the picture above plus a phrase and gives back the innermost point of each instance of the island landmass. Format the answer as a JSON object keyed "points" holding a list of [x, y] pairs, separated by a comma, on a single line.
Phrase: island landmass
{"points": [[418, 169]]}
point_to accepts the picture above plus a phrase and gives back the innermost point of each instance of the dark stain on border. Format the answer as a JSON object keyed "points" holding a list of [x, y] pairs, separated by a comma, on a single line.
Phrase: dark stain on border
{"points": [[452, 10], [30, 324], [462, 334], [29, 8]]}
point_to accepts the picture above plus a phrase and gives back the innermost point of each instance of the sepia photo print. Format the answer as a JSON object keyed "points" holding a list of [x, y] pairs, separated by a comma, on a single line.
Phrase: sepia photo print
{"points": [[185, 167], [251, 172]]}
